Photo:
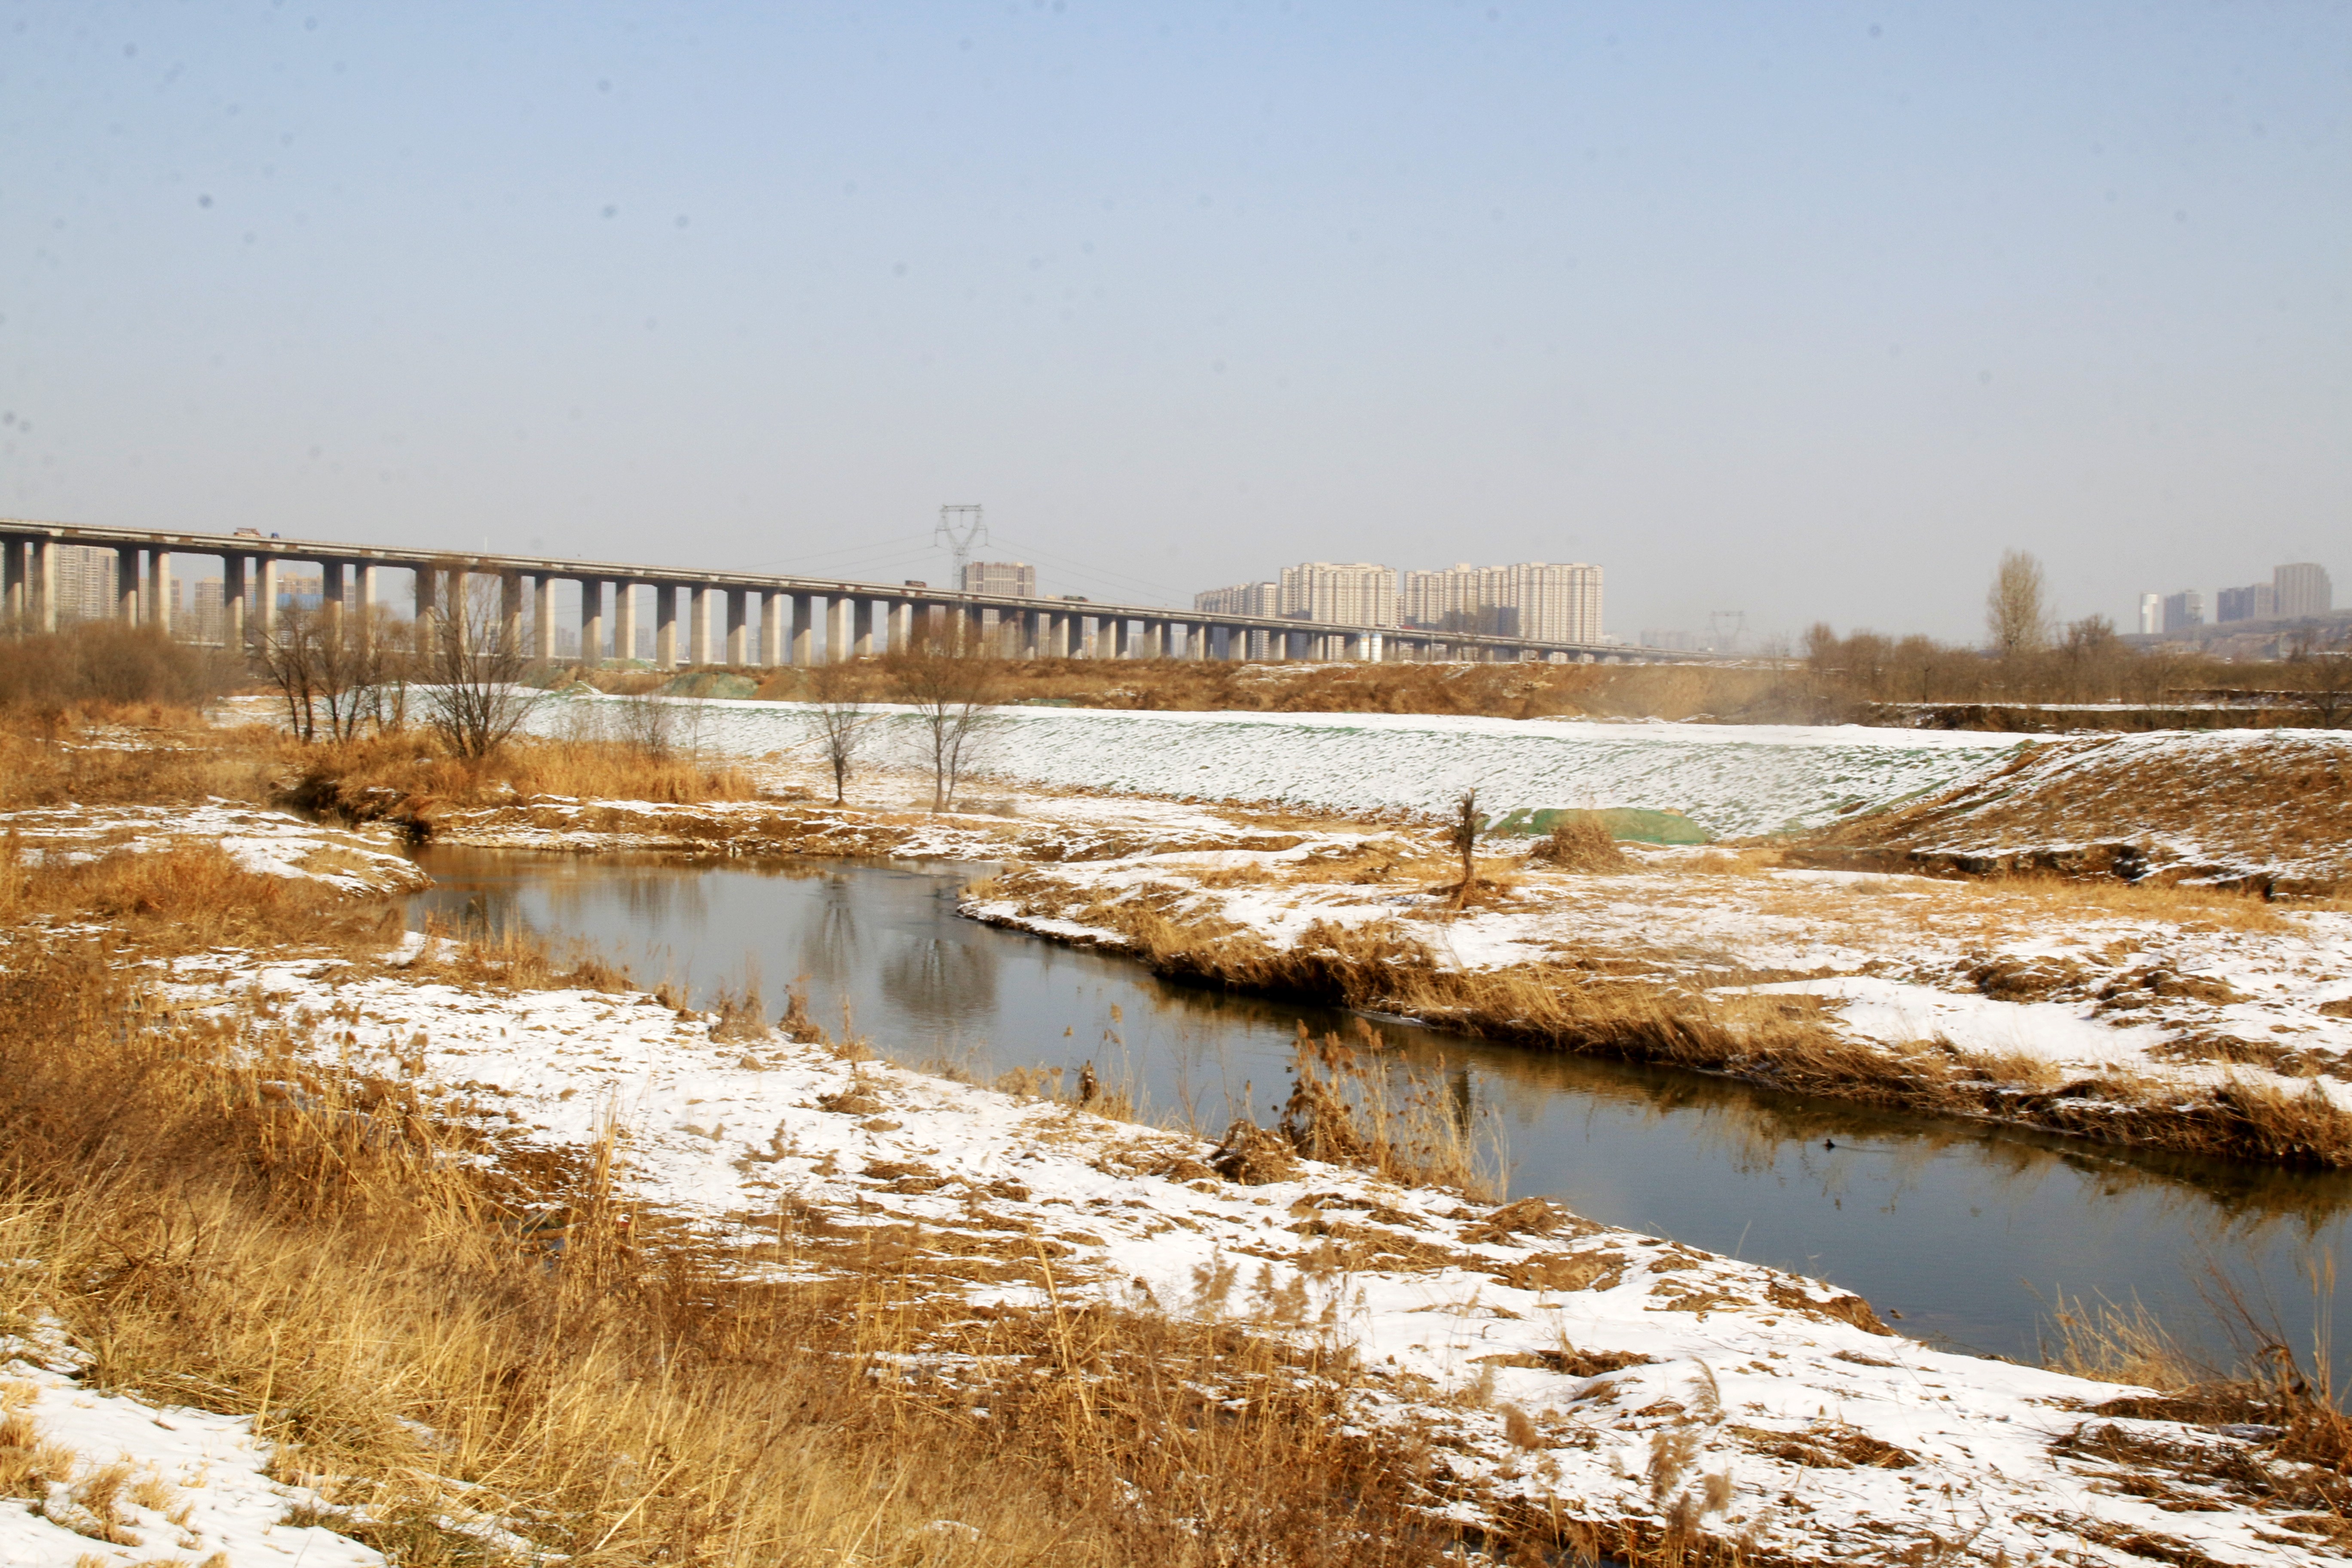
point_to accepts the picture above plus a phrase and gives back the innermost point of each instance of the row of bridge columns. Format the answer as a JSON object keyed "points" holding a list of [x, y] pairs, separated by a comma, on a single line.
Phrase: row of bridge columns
{"points": [[854, 625]]}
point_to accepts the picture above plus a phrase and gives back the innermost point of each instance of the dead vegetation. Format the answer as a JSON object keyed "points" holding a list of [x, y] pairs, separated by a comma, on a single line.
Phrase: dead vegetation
{"points": [[1590, 1005], [2263, 813], [409, 777], [477, 1350], [1579, 843]]}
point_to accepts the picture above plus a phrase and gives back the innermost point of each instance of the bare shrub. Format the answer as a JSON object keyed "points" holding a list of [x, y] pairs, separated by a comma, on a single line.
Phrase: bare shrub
{"points": [[107, 663]]}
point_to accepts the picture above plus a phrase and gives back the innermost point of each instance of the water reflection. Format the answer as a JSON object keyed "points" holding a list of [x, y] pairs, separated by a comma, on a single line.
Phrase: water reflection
{"points": [[1965, 1229]]}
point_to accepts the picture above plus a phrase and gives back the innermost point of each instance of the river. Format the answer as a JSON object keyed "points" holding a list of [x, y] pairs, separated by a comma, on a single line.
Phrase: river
{"points": [[1969, 1233]]}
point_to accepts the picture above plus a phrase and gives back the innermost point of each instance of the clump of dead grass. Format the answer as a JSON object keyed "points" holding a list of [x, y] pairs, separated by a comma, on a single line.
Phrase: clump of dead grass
{"points": [[1579, 843], [1358, 1105], [189, 894], [408, 776]]}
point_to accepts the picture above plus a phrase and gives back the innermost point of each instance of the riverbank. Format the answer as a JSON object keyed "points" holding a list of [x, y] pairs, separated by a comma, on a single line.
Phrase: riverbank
{"points": [[1020, 1276], [2157, 1014]]}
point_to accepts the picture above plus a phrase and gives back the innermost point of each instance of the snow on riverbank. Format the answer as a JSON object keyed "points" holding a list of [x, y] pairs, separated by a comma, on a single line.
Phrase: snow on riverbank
{"points": [[267, 843], [1557, 1364], [2036, 982], [117, 1480], [1729, 779]]}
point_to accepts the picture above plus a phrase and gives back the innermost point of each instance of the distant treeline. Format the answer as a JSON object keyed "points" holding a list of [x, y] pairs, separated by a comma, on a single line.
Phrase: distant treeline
{"points": [[108, 664]]}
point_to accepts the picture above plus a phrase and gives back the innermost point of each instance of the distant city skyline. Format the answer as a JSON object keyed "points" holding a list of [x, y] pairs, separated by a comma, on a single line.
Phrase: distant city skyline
{"points": [[1785, 314]]}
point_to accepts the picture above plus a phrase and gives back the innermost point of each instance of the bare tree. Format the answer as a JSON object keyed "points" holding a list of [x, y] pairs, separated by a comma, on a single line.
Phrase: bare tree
{"points": [[472, 670], [2327, 679], [841, 719], [2017, 606], [951, 682], [344, 665], [287, 648], [1463, 833]]}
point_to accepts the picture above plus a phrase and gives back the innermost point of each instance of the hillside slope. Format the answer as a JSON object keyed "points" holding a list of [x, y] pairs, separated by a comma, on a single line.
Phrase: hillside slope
{"points": [[2269, 810]]}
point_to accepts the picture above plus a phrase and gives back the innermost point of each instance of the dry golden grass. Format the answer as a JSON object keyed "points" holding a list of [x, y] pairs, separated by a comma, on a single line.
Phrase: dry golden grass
{"points": [[407, 776], [188, 895], [1591, 1007], [1579, 844], [311, 1257], [2087, 808], [170, 762]]}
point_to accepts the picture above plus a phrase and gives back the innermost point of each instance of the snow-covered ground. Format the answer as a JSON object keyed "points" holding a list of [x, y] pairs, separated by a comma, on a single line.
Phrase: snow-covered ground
{"points": [[2033, 980], [1556, 1362], [120, 1480], [1729, 779], [269, 842]]}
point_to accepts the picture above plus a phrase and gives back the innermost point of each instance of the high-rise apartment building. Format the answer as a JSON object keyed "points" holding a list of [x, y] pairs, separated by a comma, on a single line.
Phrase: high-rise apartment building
{"points": [[1556, 603], [1013, 579], [84, 584], [1242, 599], [2184, 610], [2254, 602], [209, 625], [2303, 591], [2151, 614], [1542, 601], [1353, 594]]}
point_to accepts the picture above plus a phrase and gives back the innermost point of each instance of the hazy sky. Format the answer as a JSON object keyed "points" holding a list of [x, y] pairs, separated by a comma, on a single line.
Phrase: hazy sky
{"points": [[1802, 310]]}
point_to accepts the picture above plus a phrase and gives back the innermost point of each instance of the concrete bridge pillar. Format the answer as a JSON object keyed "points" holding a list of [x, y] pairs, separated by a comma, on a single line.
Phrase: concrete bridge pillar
{"points": [[262, 615], [42, 579], [591, 621], [739, 627], [698, 625], [126, 584], [804, 628], [159, 590], [511, 611], [371, 581], [901, 631], [330, 588], [665, 626], [836, 629], [861, 631], [771, 629], [625, 620], [13, 557], [542, 618], [428, 602], [1053, 635]]}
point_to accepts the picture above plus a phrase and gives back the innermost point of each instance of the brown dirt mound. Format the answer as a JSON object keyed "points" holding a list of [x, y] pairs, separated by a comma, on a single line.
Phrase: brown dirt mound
{"points": [[2259, 809]]}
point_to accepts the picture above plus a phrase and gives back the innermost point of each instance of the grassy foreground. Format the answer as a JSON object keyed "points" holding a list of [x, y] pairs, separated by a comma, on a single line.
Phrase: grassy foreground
{"points": [[223, 1227]]}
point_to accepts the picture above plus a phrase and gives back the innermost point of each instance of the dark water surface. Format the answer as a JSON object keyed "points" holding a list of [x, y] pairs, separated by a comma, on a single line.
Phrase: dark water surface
{"points": [[1969, 1233]]}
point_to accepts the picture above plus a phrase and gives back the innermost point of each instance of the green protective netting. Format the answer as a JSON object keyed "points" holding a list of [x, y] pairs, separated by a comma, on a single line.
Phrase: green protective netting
{"points": [[1635, 824]]}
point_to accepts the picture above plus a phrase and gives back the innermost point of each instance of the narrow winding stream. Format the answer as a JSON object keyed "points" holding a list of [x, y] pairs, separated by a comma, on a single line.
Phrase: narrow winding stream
{"points": [[1969, 1233]]}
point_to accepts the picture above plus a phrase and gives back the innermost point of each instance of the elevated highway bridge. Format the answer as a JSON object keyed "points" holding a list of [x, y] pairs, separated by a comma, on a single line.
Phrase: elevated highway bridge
{"points": [[701, 616]]}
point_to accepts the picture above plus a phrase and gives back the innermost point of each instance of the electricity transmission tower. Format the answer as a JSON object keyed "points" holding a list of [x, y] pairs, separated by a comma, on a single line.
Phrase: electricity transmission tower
{"points": [[960, 529], [1721, 621]]}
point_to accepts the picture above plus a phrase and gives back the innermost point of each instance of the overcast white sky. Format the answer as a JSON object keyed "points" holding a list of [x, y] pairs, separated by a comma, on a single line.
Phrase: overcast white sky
{"points": [[1802, 311]]}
